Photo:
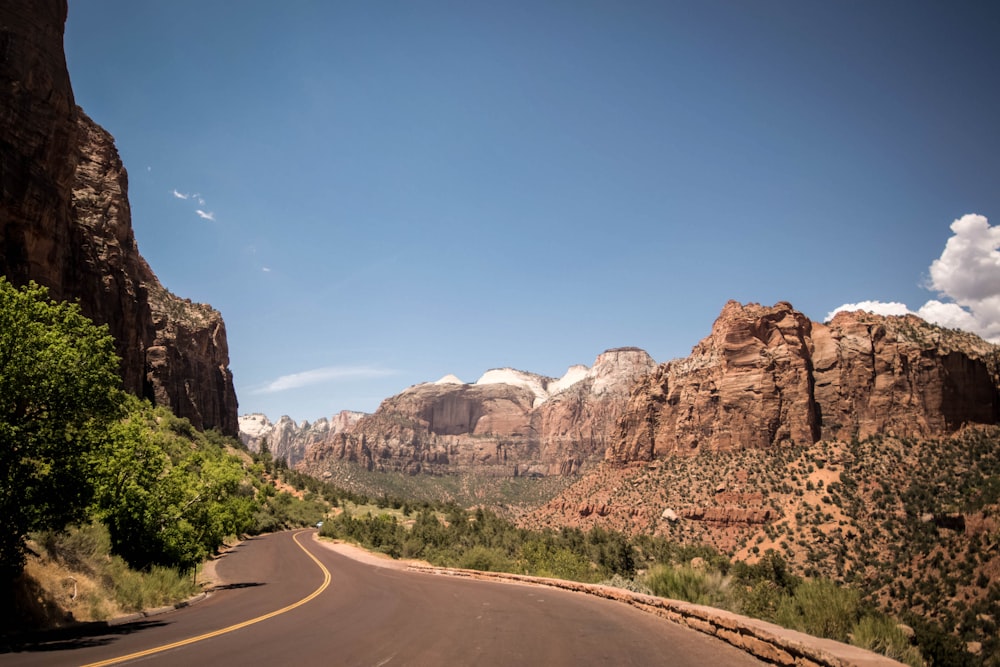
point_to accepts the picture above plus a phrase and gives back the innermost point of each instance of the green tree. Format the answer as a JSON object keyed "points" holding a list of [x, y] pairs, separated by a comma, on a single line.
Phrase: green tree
{"points": [[166, 501], [59, 390]]}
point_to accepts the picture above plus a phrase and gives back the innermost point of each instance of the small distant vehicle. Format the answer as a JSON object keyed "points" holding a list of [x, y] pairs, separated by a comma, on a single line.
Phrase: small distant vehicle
{"points": [[319, 524]]}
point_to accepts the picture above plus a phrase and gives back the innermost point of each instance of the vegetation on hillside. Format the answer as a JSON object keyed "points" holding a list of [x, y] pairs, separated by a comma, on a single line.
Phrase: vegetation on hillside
{"points": [[453, 537], [102, 487], [913, 525], [58, 395]]}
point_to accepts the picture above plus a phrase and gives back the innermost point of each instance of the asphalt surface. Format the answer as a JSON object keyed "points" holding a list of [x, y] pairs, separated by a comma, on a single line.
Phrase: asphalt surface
{"points": [[280, 606]]}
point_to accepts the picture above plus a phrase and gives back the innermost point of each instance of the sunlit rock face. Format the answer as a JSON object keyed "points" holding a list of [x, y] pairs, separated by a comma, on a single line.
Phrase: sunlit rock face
{"points": [[509, 422], [768, 377], [287, 439]]}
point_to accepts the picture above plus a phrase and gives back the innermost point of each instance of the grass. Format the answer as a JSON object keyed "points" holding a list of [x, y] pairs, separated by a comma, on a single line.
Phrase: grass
{"points": [[707, 587], [75, 578]]}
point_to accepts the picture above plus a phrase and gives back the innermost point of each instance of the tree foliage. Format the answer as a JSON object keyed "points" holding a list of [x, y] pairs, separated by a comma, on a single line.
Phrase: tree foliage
{"points": [[74, 446], [166, 501], [59, 391]]}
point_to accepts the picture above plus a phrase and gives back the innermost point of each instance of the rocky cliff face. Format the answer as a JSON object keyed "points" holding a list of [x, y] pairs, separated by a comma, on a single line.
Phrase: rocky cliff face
{"points": [[65, 223], [289, 440], [508, 423], [766, 377]]}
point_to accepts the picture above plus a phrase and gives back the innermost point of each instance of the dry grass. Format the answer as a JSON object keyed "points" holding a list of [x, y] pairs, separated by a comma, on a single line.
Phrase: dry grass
{"points": [[61, 594], [72, 577]]}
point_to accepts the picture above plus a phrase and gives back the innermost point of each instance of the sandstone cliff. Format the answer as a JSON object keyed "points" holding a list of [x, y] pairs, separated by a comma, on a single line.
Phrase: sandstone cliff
{"points": [[65, 223], [289, 440], [766, 377], [508, 423]]}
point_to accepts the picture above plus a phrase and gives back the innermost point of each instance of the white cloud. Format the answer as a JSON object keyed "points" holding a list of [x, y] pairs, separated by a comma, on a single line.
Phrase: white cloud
{"points": [[322, 375], [968, 270], [205, 215], [967, 275], [266, 269], [949, 315], [180, 195]]}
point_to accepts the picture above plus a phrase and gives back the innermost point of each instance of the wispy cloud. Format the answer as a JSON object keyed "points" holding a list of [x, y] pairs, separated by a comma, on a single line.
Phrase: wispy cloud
{"points": [[323, 375], [197, 199], [966, 275]]}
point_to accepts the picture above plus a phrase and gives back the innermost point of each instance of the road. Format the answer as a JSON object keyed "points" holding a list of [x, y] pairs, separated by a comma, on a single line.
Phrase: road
{"points": [[287, 599]]}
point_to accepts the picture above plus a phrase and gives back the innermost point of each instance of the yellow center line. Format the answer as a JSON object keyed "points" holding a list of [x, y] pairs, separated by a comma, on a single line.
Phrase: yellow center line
{"points": [[231, 628]]}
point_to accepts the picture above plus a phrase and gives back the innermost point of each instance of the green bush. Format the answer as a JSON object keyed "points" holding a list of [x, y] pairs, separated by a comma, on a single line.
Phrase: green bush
{"points": [[135, 590], [821, 608], [882, 634], [683, 582], [485, 559]]}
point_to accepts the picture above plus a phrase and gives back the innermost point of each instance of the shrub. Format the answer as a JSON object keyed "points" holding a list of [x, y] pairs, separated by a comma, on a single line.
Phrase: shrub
{"points": [[683, 582], [821, 608], [485, 559], [882, 634]]}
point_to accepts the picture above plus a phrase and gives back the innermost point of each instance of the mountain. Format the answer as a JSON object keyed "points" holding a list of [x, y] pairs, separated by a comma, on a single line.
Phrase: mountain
{"points": [[65, 222], [508, 423], [289, 440], [865, 450], [769, 377]]}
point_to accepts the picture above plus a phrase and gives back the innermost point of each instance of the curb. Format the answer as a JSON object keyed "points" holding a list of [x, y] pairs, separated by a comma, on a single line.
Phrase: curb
{"points": [[156, 611], [767, 641]]}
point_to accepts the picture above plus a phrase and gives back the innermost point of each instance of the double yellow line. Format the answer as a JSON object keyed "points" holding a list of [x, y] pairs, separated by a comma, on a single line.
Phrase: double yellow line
{"points": [[231, 628]]}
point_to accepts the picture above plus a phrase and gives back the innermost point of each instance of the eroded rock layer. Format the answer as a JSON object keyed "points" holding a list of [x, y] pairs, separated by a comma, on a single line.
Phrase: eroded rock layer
{"points": [[766, 377], [508, 423], [65, 222]]}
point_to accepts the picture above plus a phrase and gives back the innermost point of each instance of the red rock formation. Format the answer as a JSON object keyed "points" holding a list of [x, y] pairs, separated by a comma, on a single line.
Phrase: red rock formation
{"points": [[728, 515], [769, 376], [508, 423], [65, 222]]}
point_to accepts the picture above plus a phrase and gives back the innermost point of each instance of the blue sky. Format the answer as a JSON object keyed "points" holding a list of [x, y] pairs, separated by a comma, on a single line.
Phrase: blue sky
{"points": [[376, 194]]}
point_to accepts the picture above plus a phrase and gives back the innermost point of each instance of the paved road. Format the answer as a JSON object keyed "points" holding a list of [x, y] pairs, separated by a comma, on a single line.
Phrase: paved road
{"points": [[282, 606]]}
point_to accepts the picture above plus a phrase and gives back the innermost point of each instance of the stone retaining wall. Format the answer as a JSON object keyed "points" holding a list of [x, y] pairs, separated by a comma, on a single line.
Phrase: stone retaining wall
{"points": [[769, 642]]}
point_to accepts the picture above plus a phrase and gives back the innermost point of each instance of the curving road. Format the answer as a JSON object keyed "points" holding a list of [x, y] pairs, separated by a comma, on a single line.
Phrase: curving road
{"points": [[290, 600]]}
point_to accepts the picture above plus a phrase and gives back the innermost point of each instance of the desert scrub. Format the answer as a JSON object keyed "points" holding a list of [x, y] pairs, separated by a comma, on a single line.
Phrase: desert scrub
{"points": [[882, 634], [821, 608], [683, 582], [618, 581]]}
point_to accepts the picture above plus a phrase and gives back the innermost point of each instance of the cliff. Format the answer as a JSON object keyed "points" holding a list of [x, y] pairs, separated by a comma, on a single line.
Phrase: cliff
{"points": [[65, 222], [767, 377], [289, 440], [508, 423]]}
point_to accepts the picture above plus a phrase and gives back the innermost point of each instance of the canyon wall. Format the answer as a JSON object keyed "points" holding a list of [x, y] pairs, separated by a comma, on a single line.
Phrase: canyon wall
{"points": [[508, 423], [65, 223], [767, 377]]}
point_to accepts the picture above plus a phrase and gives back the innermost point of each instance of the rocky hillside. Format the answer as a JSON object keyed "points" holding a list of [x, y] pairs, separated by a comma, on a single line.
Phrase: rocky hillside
{"points": [[65, 223], [865, 450], [289, 440], [913, 522], [770, 377], [508, 423]]}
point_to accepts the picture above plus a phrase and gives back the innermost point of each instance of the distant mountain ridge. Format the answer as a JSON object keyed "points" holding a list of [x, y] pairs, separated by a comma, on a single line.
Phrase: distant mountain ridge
{"points": [[287, 439], [508, 423]]}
